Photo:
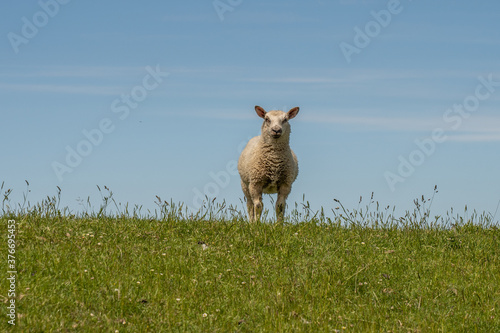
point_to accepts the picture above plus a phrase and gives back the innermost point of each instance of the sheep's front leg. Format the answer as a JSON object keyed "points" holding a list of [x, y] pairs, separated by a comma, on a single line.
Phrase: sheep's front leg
{"points": [[283, 193], [249, 200], [250, 209], [256, 194]]}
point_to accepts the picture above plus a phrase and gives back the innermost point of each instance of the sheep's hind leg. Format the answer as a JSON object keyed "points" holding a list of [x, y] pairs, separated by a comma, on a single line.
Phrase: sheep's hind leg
{"points": [[283, 193], [256, 194]]}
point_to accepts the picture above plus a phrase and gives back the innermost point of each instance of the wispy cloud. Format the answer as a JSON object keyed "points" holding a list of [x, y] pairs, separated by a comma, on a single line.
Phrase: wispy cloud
{"points": [[479, 125], [208, 16], [294, 80], [477, 137], [66, 89], [277, 15], [342, 75], [244, 74], [68, 71], [86, 80], [356, 2], [370, 123]]}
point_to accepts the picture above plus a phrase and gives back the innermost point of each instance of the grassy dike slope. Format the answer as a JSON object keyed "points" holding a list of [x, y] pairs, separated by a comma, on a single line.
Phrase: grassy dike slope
{"points": [[175, 274]]}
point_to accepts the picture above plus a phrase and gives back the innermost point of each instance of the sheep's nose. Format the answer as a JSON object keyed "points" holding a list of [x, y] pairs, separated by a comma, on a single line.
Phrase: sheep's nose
{"points": [[276, 130]]}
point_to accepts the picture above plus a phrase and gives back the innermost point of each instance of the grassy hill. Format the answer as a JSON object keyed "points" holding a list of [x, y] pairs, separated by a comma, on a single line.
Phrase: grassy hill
{"points": [[360, 271]]}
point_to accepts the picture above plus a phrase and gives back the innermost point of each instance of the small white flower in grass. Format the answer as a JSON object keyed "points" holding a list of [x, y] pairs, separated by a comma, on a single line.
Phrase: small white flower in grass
{"points": [[178, 299], [138, 282], [163, 254], [296, 234], [85, 270], [91, 314], [363, 243], [205, 315]]}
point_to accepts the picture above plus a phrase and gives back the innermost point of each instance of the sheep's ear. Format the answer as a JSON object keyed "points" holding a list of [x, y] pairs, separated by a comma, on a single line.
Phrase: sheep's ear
{"points": [[260, 111], [293, 112]]}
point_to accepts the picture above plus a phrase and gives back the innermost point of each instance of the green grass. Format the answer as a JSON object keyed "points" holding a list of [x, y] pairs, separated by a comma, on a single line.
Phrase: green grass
{"points": [[352, 273]]}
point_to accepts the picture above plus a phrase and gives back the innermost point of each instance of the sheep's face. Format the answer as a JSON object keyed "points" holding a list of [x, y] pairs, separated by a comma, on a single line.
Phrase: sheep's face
{"points": [[276, 122]]}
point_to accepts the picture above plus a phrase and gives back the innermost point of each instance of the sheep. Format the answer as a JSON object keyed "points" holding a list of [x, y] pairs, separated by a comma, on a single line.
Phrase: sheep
{"points": [[267, 164]]}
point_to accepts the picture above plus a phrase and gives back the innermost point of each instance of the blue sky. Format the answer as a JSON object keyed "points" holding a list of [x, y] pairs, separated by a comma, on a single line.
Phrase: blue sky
{"points": [[368, 114]]}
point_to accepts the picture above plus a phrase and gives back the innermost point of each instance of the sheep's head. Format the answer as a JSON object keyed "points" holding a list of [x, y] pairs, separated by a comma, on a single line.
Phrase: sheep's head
{"points": [[276, 122]]}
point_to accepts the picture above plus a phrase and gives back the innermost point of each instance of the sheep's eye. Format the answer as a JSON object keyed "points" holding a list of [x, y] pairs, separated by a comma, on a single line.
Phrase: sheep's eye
{"points": [[285, 120], [268, 120]]}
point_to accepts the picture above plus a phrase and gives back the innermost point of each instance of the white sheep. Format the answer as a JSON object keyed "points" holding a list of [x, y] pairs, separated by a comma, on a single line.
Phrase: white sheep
{"points": [[267, 164]]}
